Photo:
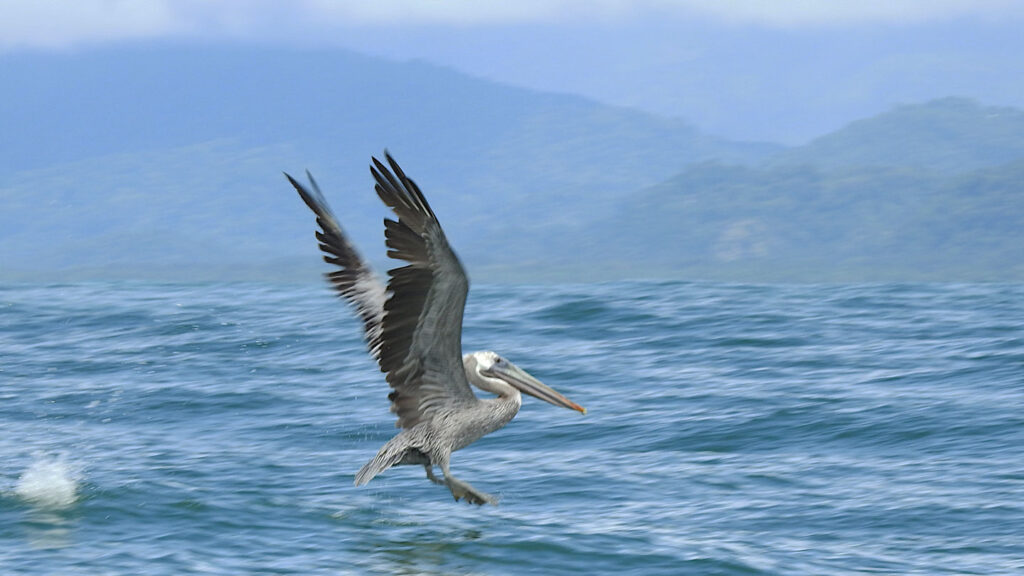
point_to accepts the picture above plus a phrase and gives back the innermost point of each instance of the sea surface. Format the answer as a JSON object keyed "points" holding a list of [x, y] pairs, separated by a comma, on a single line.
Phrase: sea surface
{"points": [[732, 429]]}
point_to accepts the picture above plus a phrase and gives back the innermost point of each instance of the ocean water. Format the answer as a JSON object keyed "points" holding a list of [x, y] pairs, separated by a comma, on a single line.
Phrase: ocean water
{"points": [[732, 429]]}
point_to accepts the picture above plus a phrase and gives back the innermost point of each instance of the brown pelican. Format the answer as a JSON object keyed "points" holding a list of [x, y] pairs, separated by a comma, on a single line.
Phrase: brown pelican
{"points": [[413, 328]]}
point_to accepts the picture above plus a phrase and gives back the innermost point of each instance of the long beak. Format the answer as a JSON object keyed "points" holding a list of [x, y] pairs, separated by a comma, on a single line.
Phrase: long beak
{"points": [[527, 384]]}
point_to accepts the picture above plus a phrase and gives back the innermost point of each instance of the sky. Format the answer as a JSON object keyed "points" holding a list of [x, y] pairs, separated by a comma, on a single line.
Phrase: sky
{"points": [[60, 23], [783, 71]]}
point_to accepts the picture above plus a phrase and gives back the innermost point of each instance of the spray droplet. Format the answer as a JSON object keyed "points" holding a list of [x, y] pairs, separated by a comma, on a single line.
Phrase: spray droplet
{"points": [[48, 483]]}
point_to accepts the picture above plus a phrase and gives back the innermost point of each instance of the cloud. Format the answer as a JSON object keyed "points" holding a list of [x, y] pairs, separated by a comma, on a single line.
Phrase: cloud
{"points": [[52, 23], [804, 13], [60, 23]]}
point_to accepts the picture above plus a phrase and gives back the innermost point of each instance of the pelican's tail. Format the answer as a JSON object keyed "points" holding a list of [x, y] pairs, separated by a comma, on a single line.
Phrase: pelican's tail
{"points": [[396, 451], [379, 464]]}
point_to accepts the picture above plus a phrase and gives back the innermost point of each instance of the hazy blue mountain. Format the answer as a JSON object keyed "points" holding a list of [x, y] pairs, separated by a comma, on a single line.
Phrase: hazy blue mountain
{"points": [[742, 80], [165, 162], [160, 159]]}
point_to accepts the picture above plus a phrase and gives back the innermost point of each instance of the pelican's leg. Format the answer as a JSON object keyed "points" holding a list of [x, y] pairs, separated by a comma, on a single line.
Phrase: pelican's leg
{"points": [[430, 474], [462, 489]]}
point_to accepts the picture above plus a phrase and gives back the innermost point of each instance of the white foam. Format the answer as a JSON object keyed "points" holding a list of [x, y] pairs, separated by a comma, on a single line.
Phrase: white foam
{"points": [[49, 482]]}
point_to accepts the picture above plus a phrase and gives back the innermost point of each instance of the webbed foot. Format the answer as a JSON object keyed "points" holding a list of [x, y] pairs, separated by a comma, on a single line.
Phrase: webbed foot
{"points": [[462, 490]]}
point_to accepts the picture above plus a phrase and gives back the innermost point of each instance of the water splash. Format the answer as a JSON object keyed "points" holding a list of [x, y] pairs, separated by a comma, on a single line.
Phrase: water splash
{"points": [[49, 482]]}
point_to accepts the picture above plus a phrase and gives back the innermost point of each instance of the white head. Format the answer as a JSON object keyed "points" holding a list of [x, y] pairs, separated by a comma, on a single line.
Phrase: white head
{"points": [[489, 371], [478, 362]]}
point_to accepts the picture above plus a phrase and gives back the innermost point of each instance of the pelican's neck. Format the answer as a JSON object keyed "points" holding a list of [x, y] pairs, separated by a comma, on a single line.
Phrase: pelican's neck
{"points": [[503, 390], [497, 387], [510, 395], [488, 414]]}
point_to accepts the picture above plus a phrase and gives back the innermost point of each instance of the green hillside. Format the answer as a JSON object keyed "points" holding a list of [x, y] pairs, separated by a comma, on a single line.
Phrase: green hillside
{"points": [[931, 192], [951, 135], [810, 224]]}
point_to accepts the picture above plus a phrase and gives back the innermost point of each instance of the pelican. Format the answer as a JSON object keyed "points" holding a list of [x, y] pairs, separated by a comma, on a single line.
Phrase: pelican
{"points": [[413, 328]]}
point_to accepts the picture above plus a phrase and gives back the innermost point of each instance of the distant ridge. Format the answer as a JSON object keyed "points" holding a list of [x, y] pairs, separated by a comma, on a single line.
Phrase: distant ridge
{"points": [[168, 159], [930, 192], [164, 162], [948, 135]]}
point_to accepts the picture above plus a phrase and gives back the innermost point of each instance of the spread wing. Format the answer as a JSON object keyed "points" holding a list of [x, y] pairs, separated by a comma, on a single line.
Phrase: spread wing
{"points": [[354, 279], [421, 334]]}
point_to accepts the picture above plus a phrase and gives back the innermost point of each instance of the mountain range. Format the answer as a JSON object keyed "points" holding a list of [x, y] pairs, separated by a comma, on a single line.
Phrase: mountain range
{"points": [[164, 162]]}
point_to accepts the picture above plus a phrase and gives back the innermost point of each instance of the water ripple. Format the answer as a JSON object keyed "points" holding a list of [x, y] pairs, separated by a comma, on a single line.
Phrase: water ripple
{"points": [[732, 429]]}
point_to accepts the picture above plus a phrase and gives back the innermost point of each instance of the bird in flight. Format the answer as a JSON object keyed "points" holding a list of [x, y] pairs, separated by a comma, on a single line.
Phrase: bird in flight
{"points": [[413, 328]]}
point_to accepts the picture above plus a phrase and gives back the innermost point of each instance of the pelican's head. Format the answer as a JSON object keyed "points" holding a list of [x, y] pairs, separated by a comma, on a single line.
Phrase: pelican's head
{"points": [[489, 371]]}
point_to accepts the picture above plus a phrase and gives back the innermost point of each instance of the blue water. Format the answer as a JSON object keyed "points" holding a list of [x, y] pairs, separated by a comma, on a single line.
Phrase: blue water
{"points": [[732, 429]]}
